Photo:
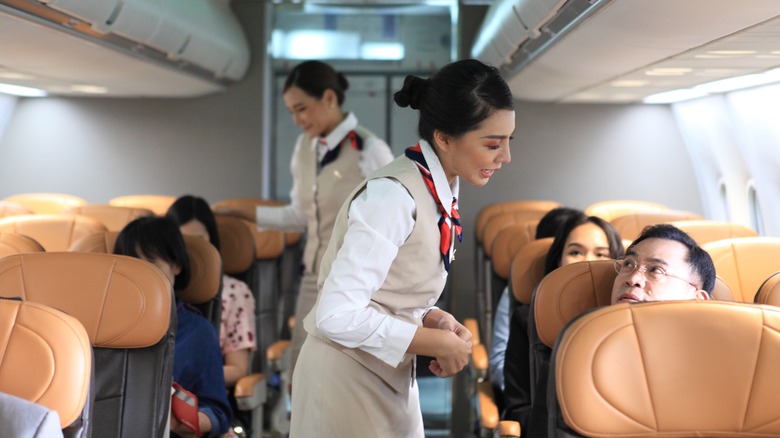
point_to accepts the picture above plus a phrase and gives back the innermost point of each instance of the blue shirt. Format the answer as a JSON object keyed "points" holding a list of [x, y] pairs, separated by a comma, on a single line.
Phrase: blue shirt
{"points": [[197, 367]]}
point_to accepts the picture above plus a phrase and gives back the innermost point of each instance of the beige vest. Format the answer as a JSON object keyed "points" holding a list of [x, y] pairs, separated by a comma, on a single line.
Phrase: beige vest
{"points": [[416, 277], [330, 188]]}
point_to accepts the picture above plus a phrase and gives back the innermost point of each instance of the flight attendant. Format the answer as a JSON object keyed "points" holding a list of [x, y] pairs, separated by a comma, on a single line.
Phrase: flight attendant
{"points": [[388, 261], [331, 157]]}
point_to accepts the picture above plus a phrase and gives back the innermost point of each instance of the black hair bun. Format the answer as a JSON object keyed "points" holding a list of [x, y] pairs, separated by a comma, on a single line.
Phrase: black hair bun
{"points": [[412, 92], [342, 81]]}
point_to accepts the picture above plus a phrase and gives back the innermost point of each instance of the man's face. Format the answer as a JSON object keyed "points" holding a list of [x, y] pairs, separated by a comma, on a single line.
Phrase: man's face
{"points": [[654, 257]]}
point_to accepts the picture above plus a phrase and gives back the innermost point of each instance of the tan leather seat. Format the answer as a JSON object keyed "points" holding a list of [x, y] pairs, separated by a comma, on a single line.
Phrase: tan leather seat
{"points": [[704, 231], [609, 210], [47, 359], [629, 226], [507, 243], [11, 243], [126, 306], [484, 215], [113, 217], [46, 203], [527, 269], [159, 204], [13, 209], [54, 232], [769, 291], [668, 369], [745, 263]]}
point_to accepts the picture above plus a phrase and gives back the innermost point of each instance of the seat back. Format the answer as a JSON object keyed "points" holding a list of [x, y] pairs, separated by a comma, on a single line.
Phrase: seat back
{"points": [[484, 215], [13, 209], [744, 263], [114, 218], [527, 269], [47, 359], [769, 291], [46, 203], [705, 231], [126, 307], [630, 225], [668, 369], [507, 243], [54, 232], [11, 243], [609, 210], [159, 204]]}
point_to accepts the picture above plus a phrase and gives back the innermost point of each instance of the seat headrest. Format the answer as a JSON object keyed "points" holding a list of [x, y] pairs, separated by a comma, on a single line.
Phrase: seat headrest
{"points": [[114, 218], [123, 302], [491, 210], [744, 263], [508, 242], [609, 210], [567, 292], [769, 292], [705, 231], [630, 225], [671, 369], [13, 209], [54, 232], [159, 204], [290, 237], [721, 291], [46, 203], [205, 263], [501, 221], [17, 244], [45, 358], [237, 245], [527, 268], [205, 271]]}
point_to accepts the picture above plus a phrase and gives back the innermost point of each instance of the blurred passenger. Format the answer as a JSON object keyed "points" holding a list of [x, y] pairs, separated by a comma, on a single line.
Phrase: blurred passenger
{"points": [[197, 363]]}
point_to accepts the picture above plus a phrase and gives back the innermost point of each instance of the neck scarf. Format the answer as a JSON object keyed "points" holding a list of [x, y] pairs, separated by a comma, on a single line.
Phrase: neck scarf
{"points": [[331, 155], [447, 220]]}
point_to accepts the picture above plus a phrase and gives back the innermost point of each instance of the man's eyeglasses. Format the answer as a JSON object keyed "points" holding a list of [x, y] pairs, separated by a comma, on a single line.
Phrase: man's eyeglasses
{"points": [[653, 273]]}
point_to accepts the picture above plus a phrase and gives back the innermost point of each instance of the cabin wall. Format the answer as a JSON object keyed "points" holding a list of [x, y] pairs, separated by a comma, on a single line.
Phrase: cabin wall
{"points": [[100, 148]]}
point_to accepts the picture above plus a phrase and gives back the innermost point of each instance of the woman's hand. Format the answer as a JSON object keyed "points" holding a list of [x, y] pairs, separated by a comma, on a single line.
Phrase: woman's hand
{"points": [[442, 320], [456, 343]]}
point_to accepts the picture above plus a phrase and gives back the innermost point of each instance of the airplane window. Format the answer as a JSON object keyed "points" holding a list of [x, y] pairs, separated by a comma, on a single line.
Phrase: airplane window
{"points": [[724, 201], [756, 220]]}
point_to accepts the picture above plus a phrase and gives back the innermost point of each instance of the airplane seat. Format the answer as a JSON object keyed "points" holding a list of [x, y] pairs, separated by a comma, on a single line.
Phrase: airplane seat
{"points": [[527, 269], [113, 217], [506, 245], [53, 231], [609, 210], [11, 243], [666, 369], [158, 204], [13, 209], [744, 263], [769, 291], [126, 307], [47, 360], [46, 203], [705, 231], [630, 226]]}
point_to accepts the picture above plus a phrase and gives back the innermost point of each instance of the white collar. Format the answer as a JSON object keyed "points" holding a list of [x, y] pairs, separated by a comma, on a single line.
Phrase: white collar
{"points": [[338, 134], [443, 188]]}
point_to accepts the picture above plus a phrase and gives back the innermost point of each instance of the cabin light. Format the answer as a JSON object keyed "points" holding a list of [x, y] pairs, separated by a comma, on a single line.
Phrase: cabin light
{"points": [[708, 56], [668, 71], [319, 44], [15, 75], [731, 52], [89, 89], [674, 96], [382, 51], [17, 90], [629, 83], [739, 82]]}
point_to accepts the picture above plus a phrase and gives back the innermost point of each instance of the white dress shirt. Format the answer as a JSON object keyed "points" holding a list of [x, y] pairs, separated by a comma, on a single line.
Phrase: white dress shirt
{"points": [[294, 217], [381, 218]]}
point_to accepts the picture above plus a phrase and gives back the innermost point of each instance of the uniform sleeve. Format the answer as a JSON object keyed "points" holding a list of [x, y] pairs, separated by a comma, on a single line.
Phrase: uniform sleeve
{"points": [[376, 154], [289, 217], [380, 220]]}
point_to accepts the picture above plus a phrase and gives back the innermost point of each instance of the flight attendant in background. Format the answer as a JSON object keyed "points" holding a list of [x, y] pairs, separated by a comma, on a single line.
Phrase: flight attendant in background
{"points": [[332, 156], [388, 261]]}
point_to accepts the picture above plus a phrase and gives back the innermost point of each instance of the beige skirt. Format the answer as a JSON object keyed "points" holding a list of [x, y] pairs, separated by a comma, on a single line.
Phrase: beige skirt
{"points": [[334, 396], [307, 298]]}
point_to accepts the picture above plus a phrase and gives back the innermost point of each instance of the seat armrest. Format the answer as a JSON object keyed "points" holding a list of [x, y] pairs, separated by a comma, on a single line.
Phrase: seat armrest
{"points": [[488, 411], [473, 326], [507, 429], [479, 361], [250, 391]]}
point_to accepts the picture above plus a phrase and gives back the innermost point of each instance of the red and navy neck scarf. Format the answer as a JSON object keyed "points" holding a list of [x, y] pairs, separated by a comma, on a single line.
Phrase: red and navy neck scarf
{"points": [[447, 220], [331, 155]]}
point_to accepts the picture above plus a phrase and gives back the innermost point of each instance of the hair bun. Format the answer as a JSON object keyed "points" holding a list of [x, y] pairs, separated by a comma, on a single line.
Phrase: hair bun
{"points": [[342, 80], [412, 92]]}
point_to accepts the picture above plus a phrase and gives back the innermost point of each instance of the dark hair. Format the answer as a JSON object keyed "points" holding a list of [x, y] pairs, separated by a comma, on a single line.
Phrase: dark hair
{"points": [[314, 77], [698, 259], [189, 207], [553, 259], [155, 238], [457, 99], [551, 222]]}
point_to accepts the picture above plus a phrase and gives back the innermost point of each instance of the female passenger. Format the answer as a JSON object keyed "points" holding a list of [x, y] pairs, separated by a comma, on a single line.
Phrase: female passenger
{"points": [[388, 261], [237, 329], [331, 157], [197, 362], [580, 238]]}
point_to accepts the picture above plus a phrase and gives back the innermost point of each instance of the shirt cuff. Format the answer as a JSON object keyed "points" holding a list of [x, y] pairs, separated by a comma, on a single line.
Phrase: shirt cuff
{"points": [[395, 346]]}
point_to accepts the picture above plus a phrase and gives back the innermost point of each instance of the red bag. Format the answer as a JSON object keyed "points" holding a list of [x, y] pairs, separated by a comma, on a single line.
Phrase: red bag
{"points": [[184, 406]]}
